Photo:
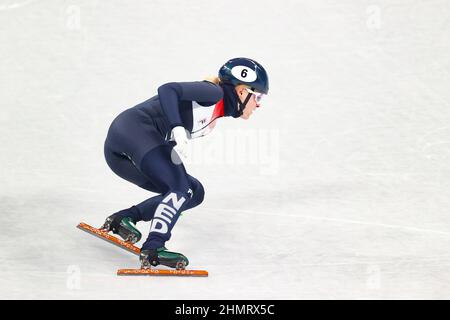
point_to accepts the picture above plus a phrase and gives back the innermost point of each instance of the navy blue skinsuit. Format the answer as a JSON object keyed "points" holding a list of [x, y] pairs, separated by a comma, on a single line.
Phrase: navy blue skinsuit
{"points": [[139, 149]]}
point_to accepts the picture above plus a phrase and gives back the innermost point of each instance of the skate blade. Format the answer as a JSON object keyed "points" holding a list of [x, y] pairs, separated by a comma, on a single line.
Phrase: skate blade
{"points": [[111, 239], [162, 272]]}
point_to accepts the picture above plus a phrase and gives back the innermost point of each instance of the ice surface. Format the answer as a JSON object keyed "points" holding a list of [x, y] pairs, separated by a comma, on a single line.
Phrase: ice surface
{"points": [[337, 188]]}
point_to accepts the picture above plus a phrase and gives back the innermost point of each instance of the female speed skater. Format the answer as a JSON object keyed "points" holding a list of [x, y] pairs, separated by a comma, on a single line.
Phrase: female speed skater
{"points": [[140, 148]]}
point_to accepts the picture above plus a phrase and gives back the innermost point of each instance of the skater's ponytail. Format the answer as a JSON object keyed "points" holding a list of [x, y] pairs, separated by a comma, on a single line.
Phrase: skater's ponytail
{"points": [[214, 80]]}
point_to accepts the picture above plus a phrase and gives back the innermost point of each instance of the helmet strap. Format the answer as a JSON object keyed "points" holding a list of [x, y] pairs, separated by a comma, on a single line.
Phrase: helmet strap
{"points": [[241, 105]]}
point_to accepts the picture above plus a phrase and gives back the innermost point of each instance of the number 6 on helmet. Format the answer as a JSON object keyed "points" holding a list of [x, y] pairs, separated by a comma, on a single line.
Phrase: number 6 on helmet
{"points": [[245, 71]]}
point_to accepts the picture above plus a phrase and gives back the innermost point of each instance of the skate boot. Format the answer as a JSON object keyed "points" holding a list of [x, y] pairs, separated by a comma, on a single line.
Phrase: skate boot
{"points": [[122, 225], [154, 257]]}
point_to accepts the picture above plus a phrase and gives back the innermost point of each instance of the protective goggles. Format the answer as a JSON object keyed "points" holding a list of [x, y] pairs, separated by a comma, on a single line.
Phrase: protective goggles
{"points": [[258, 96]]}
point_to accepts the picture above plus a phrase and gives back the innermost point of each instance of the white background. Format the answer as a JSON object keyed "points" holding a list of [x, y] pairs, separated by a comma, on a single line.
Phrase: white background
{"points": [[354, 202]]}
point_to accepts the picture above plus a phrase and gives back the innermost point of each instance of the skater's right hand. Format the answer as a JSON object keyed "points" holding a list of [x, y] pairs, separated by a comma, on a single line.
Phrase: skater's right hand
{"points": [[180, 137]]}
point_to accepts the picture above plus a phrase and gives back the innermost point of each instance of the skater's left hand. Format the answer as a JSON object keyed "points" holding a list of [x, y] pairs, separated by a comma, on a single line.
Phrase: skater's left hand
{"points": [[180, 136]]}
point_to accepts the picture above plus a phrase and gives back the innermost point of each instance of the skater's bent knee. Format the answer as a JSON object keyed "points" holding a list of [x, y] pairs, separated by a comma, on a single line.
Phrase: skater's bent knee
{"points": [[198, 193]]}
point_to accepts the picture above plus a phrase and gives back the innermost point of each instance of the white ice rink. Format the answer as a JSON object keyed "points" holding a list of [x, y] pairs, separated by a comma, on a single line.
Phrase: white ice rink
{"points": [[338, 187]]}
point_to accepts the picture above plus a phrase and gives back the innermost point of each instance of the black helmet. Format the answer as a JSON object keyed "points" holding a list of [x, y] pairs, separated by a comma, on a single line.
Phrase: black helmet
{"points": [[245, 71]]}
